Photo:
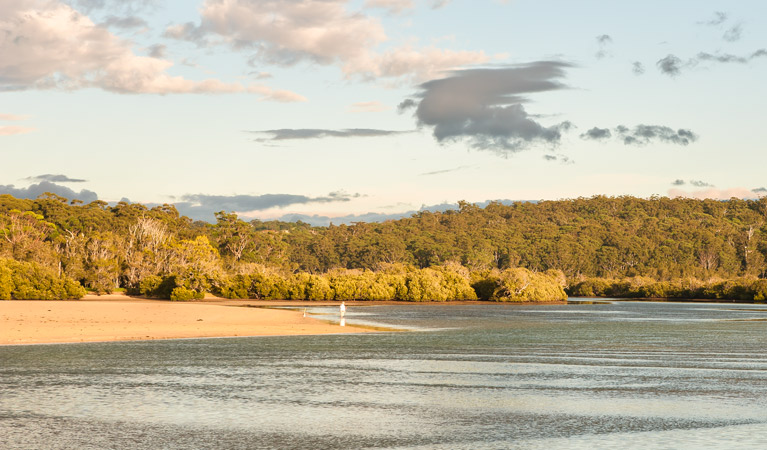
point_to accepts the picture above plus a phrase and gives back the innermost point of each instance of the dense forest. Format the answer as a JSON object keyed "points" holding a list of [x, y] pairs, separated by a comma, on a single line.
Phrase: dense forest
{"points": [[622, 246]]}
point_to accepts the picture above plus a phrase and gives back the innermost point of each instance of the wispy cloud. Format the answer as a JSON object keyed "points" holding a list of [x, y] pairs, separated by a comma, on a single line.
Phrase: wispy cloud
{"points": [[642, 134], [603, 40], [484, 107], [645, 134], [13, 117], [673, 65], [313, 133], [719, 18], [10, 130], [440, 172], [638, 68], [368, 107], [55, 178]]}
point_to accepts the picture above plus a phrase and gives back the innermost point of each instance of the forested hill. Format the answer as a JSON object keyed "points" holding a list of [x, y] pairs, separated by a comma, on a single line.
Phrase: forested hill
{"points": [[659, 238]]}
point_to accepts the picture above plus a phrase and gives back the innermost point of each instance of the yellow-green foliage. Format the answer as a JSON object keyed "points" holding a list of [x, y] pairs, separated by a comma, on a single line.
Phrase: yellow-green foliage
{"points": [[30, 281], [522, 285]]}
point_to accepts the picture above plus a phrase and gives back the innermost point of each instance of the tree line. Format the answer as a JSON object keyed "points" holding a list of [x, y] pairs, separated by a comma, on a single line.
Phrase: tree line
{"points": [[624, 246]]}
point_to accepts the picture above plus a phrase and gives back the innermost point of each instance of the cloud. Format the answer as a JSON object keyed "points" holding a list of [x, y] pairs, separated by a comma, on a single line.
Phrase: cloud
{"points": [[391, 6], [646, 134], [203, 207], [35, 190], [13, 117], [313, 133], [733, 33], [406, 104], [440, 172], [678, 182], [157, 51], [484, 106], [55, 178], [597, 134], [642, 135], [698, 183], [603, 40], [368, 107], [115, 6], [315, 31], [670, 65], [48, 45], [637, 67], [10, 130], [729, 58], [760, 190], [124, 23], [718, 19], [561, 158], [716, 194]]}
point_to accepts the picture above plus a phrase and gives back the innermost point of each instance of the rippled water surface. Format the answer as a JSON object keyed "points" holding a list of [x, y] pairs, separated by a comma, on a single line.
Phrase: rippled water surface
{"points": [[623, 374]]}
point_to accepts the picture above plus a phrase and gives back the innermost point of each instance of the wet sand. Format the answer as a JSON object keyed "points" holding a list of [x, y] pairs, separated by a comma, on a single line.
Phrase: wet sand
{"points": [[121, 318]]}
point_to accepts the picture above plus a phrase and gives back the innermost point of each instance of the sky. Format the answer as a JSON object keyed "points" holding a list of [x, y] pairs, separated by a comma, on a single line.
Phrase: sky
{"points": [[340, 111]]}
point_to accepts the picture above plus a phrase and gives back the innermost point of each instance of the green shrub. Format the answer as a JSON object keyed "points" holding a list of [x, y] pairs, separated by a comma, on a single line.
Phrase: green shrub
{"points": [[182, 293], [31, 281]]}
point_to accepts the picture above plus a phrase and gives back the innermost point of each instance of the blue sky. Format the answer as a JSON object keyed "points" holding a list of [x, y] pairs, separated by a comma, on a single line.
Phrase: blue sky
{"points": [[343, 108]]}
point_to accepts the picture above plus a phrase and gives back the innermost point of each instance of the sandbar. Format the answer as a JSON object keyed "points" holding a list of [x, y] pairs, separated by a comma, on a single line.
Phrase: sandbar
{"points": [[118, 318]]}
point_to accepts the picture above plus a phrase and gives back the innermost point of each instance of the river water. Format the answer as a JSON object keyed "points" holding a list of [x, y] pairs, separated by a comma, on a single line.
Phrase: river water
{"points": [[604, 375]]}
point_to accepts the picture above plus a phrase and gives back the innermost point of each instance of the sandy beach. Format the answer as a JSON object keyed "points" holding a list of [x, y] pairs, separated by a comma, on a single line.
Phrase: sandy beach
{"points": [[120, 318]]}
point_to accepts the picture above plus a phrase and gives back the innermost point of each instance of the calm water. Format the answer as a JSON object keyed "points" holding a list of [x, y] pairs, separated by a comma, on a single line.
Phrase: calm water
{"points": [[625, 374]]}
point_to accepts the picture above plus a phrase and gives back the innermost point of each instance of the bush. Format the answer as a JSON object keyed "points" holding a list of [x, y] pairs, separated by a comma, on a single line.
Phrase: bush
{"points": [[30, 281], [182, 293]]}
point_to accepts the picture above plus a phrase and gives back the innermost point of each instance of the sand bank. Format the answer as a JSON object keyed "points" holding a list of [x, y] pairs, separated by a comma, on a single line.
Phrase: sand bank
{"points": [[119, 318]]}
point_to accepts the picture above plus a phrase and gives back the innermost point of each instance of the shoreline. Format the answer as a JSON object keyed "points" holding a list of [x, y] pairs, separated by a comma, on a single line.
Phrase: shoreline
{"points": [[121, 318]]}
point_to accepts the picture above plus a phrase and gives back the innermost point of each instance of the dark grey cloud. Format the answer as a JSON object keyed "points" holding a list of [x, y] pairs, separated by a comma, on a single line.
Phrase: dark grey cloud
{"points": [[558, 158], [35, 190], [158, 51], [637, 67], [313, 133], [733, 33], [679, 182], [55, 178], [698, 183], [719, 18], [597, 134], [726, 58], [203, 207], [406, 104], [124, 23], [485, 108], [760, 190], [646, 134], [670, 65]]}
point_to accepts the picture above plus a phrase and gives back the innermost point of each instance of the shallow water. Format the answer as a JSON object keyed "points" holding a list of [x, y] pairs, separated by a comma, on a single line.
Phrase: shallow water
{"points": [[628, 374]]}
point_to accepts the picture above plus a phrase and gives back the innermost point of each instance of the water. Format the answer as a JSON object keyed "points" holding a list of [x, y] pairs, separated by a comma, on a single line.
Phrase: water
{"points": [[624, 374]]}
